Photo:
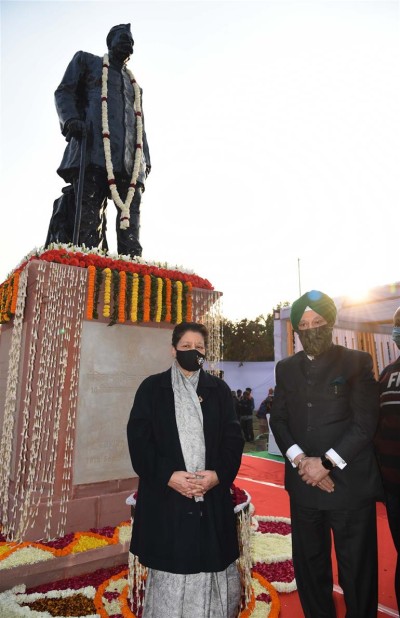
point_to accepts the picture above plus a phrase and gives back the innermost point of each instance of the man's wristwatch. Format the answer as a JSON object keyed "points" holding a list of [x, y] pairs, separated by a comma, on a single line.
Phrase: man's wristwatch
{"points": [[328, 465]]}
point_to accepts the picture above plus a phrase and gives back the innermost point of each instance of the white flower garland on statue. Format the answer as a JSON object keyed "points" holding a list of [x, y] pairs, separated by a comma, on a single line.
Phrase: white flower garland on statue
{"points": [[137, 106]]}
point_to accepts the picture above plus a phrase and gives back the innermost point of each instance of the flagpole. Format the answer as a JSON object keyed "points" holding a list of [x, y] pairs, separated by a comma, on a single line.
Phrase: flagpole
{"points": [[298, 272]]}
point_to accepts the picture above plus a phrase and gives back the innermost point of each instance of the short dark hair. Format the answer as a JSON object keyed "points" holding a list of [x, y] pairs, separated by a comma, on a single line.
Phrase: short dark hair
{"points": [[183, 327]]}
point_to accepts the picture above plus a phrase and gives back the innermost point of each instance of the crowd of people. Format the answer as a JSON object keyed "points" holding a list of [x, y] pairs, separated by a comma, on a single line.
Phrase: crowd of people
{"points": [[338, 429], [245, 411]]}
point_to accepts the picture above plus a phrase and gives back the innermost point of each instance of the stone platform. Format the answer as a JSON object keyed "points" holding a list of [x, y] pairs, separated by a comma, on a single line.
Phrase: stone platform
{"points": [[64, 418], [67, 384]]}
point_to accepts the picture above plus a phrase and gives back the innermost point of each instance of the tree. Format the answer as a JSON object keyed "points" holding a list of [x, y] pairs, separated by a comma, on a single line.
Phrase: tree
{"points": [[250, 340]]}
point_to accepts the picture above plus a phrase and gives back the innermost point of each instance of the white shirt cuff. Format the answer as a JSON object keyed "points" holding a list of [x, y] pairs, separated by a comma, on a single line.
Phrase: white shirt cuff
{"points": [[292, 453], [336, 458]]}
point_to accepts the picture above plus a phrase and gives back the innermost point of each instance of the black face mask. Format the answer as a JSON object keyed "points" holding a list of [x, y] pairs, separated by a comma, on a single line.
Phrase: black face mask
{"points": [[191, 360], [315, 341]]}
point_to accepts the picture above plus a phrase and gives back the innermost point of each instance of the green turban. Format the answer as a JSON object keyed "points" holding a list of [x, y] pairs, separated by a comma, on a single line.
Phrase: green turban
{"points": [[319, 302]]}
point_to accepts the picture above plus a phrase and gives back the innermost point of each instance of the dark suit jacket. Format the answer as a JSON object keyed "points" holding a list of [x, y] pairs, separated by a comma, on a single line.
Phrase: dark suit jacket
{"points": [[329, 402], [170, 532]]}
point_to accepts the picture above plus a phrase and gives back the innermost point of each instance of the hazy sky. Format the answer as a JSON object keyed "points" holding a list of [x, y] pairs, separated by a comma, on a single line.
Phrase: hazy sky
{"points": [[274, 132]]}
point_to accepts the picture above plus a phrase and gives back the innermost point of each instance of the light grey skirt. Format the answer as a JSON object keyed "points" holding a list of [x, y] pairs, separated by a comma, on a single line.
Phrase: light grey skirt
{"points": [[200, 595]]}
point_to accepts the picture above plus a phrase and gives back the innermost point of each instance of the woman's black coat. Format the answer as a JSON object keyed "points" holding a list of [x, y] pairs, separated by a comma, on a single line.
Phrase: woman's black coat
{"points": [[170, 532]]}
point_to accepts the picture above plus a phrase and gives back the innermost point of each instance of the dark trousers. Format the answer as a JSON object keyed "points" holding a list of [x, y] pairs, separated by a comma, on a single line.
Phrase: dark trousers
{"points": [[393, 513], [355, 537], [93, 226], [247, 428]]}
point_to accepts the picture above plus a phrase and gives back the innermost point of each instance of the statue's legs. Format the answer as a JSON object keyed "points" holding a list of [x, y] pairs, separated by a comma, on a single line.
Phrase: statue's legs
{"points": [[94, 202], [128, 240], [93, 223], [61, 225]]}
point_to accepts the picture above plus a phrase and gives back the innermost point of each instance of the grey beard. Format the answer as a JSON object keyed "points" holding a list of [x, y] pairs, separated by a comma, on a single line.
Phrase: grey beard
{"points": [[315, 341]]}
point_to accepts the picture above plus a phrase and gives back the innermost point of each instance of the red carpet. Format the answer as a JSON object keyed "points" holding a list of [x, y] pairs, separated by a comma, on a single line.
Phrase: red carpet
{"points": [[263, 479]]}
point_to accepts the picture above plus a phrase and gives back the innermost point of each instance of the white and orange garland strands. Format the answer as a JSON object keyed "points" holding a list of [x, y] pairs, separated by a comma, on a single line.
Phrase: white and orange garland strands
{"points": [[137, 106], [35, 468]]}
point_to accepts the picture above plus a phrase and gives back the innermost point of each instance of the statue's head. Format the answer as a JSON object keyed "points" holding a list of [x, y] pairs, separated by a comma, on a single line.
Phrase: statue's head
{"points": [[120, 42]]}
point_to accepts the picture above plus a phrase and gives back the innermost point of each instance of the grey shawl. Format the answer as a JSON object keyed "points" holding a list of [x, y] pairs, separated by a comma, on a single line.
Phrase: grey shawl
{"points": [[189, 419]]}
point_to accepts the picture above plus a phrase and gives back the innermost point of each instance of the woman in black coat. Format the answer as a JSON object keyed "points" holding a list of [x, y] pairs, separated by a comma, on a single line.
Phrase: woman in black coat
{"points": [[186, 445]]}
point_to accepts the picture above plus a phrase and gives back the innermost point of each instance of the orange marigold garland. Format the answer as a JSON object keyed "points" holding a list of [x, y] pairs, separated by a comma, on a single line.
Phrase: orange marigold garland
{"points": [[15, 292], [248, 610], [125, 292], [4, 302], [82, 257], [124, 603], [98, 599], [6, 296], [2, 317], [275, 602], [90, 292], [189, 302], [122, 296], [146, 298]]}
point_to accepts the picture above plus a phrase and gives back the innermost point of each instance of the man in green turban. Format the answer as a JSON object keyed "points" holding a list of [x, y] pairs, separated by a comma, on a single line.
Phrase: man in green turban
{"points": [[324, 417]]}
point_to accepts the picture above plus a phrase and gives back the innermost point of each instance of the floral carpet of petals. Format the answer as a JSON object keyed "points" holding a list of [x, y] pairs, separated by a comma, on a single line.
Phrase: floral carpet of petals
{"points": [[18, 554], [104, 593], [271, 550]]}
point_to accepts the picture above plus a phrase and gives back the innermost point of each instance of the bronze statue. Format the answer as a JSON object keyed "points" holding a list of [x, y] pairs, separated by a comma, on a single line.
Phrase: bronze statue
{"points": [[99, 107]]}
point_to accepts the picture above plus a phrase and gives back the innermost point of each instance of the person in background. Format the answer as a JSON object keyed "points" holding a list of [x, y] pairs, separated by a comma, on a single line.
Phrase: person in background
{"points": [[239, 394], [387, 442], [235, 404], [263, 410], [246, 416], [269, 400], [186, 446], [324, 417], [248, 390]]}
